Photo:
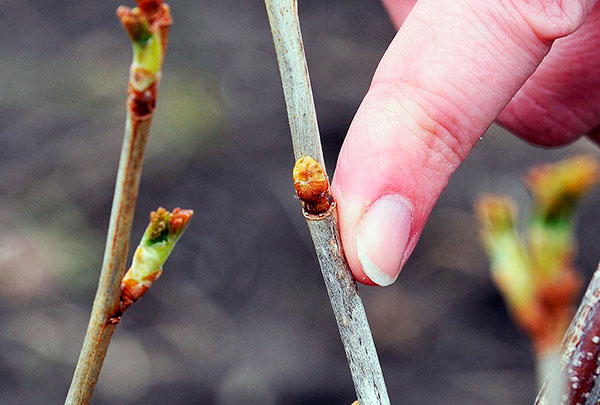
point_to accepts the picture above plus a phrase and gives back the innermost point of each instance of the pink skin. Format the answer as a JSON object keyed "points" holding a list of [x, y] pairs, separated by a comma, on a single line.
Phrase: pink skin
{"points": [[453, 68]]}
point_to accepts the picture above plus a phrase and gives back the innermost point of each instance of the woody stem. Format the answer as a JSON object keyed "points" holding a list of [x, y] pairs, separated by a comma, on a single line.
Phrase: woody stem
{"points": [[342, 288], [106, 302]]}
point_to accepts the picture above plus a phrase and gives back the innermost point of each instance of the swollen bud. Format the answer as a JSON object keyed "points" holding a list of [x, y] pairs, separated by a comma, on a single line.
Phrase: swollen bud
{"points": [[311, 185]]}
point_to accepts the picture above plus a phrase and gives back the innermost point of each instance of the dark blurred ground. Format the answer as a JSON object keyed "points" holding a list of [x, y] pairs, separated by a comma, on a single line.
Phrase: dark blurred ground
{"points": [[241, 314]]}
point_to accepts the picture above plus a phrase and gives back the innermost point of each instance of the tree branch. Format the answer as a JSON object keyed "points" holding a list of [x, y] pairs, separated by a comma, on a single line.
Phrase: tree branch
{"points": [[148, 32], [311, 183]]}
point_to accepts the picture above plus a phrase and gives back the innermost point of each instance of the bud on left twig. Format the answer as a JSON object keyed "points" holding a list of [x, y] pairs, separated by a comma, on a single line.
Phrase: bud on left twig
{"points": [[162, 234], [147, 26]]}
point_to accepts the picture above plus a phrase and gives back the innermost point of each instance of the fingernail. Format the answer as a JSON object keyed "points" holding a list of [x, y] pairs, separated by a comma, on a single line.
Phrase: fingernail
{"points": [[382, 238]]}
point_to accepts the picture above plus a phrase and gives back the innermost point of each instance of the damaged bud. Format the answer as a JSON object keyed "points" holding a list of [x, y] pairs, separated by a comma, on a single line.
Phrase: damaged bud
{"points": [[161, 235], [311, 185]]}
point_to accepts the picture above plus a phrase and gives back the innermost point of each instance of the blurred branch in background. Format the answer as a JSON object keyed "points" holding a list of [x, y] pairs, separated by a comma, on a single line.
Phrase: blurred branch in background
{"points": [[538, 279], [147, 26], [577, 380]]}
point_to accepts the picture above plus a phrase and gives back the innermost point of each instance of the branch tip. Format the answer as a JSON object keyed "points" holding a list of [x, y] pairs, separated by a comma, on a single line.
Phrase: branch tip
{"points": [[147, 26]]}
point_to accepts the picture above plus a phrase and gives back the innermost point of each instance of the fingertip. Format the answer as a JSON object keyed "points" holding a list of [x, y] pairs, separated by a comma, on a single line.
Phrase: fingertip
{"points": [[398, 10], [382, 238], [376, 237], [437, 89]]}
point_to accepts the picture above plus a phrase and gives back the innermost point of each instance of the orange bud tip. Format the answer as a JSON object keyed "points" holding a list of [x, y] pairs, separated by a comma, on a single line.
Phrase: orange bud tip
{"points": [[179, 220], [165, 224]]}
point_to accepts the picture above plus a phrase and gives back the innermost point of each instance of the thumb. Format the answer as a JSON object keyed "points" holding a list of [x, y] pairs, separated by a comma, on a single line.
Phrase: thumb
{"points": [[447, 74]]}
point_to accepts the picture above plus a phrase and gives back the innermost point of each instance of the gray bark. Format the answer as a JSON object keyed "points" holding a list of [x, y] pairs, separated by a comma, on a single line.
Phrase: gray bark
{"points": [[341, 286], [349, 311], [302, 116]]}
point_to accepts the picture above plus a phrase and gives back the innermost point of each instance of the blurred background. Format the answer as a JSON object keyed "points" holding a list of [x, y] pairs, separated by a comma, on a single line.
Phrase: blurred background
{"points": [[240, 314]]}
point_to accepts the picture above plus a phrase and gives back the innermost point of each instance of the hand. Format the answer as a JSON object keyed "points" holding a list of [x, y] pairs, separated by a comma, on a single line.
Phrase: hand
{"points": [[452, 69]]}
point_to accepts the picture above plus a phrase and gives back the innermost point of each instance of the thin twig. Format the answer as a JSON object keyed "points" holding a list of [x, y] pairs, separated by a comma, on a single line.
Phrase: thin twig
{"points": [[285, 28], [147, 27], [320, 212], [556, 190]]}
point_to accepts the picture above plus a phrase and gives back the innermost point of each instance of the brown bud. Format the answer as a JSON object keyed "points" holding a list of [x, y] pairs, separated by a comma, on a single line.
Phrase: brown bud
{"points": [[312, 185]]}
